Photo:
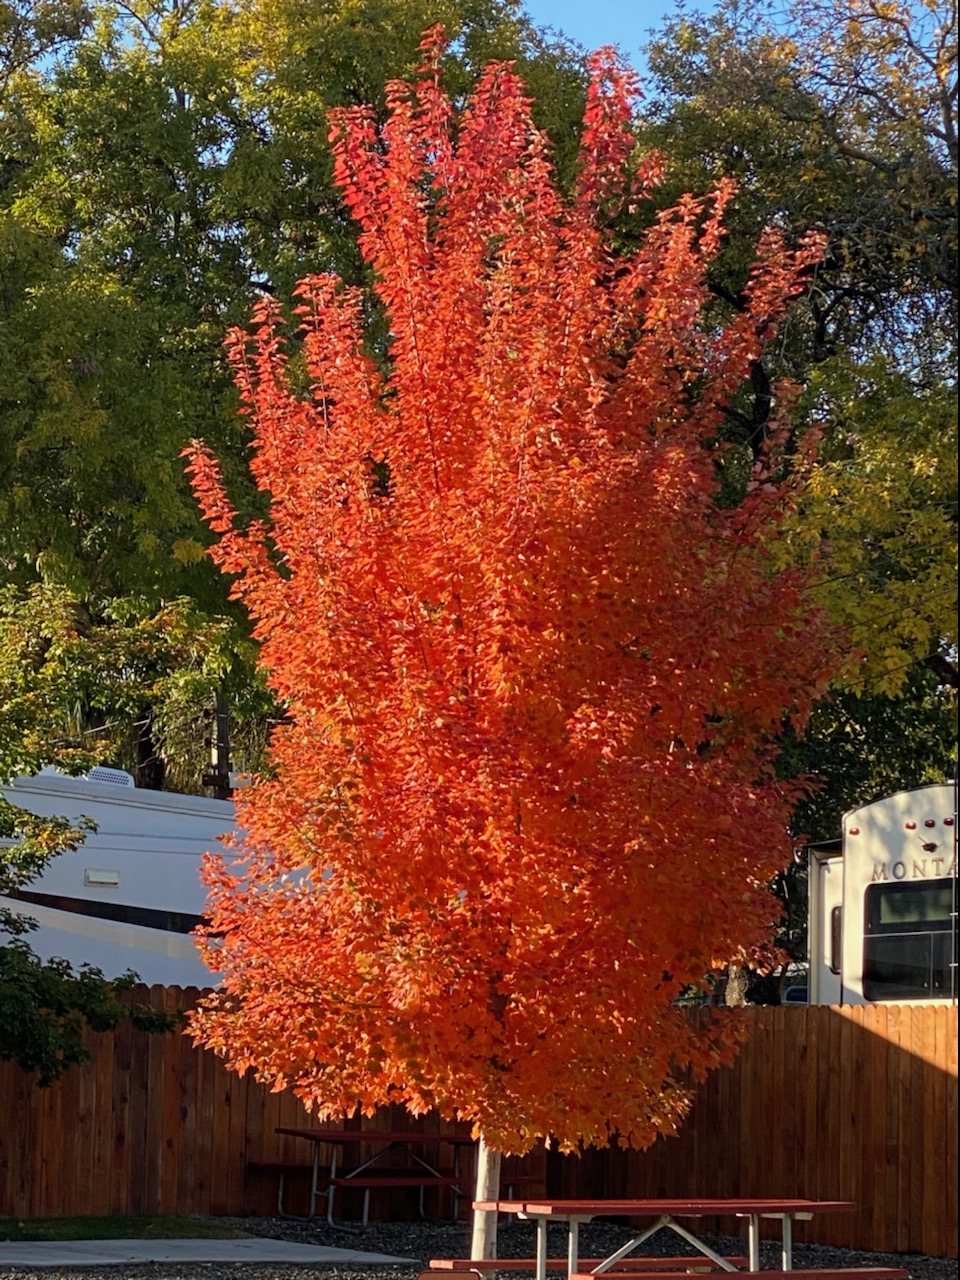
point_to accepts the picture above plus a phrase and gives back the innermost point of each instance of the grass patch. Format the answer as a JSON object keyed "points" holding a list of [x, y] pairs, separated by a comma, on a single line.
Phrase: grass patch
{"points": [[118, 1227]]}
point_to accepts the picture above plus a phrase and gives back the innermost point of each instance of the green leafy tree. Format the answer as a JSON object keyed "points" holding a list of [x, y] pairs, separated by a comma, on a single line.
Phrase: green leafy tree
{"points": [[123, 687], [45, 1007], [861, 746], [841, 115], [169, 168], [35, 29]]}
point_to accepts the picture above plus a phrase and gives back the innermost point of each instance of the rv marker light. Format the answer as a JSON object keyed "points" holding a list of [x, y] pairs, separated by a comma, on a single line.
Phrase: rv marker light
{"points": [[929, 823], [910, 826]]}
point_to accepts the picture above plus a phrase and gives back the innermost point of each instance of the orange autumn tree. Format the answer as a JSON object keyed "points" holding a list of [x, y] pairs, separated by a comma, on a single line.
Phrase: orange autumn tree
{"points": [[523, 795]]}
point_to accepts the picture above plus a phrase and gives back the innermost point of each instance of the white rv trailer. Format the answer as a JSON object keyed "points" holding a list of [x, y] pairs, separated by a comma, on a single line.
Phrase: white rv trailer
{"points": [[129, 896], [883, 902]]}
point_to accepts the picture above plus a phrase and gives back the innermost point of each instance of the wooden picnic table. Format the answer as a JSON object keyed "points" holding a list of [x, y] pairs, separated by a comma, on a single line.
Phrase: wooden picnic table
{"points": [[420, 1174], [665, 1212]]}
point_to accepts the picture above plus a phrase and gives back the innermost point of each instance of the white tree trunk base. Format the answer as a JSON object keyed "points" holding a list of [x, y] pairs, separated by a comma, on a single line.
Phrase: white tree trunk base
{"points": [[483, 1243]]}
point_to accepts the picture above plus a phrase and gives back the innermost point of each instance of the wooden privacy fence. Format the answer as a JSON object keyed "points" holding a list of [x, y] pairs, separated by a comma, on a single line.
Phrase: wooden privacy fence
{"points": [[849, 1103]]}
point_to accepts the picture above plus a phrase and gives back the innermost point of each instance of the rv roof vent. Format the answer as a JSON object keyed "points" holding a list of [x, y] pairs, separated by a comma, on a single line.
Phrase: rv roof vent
{"points": [[117, 777]]}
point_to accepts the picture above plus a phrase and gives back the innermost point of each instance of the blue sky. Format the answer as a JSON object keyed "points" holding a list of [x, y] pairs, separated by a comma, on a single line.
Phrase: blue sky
{"points": [[596, 22]]}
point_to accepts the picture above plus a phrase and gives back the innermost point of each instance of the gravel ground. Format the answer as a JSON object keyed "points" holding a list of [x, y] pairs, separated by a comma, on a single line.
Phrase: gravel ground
{"points": [[425, 1240]]}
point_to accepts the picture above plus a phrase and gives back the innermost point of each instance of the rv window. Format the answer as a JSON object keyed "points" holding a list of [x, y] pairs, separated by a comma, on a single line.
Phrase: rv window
{"points": [[909, 941], [927, 904], [836, 938]]}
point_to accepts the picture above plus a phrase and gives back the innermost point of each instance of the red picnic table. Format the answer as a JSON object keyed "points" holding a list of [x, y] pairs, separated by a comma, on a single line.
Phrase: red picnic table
{"points": [[665, 1213], [422, 1175]]}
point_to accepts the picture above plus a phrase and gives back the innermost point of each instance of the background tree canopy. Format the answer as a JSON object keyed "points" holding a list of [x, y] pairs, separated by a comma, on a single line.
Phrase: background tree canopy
{"points": [[841, 115], [164, 164]]}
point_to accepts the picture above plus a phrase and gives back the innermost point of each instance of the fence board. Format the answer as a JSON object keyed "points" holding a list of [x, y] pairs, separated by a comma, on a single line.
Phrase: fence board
{"points": [[172, 1117], [210, 1132], [845, 1114], [140, 1154], [236, 1146], [189, 1085], [902, 1024], [810, 1094], [919, 1018], [935, 1118], [120, 1161], [891, 1124], [102, 1068], [948, 1185], [48, 1189], [252, 1188], [24, 1152], [272, 1113], [156, 1047], [726, 1155], [71, 1189], [833, 1130], [86, 1145], [873, 1143]]}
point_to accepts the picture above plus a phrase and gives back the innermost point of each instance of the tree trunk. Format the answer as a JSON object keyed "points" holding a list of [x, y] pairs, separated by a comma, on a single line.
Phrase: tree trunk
{"points": [[484, 1241], [149, 769], [735, 992]]}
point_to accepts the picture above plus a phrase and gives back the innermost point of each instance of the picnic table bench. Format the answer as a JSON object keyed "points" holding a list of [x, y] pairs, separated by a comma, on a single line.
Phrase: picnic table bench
{"points": [[481, 1268], [816, 1273], [672, 1264]]}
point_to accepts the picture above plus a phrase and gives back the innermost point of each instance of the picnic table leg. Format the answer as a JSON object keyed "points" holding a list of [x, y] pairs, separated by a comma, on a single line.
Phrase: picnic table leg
{"points": [[314, 1181], [698, 1244], [753, 1237], [633, 1243], [541, 1249], [573, 1247], [455, 1191], [786, 1247], [332, 1190]]}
